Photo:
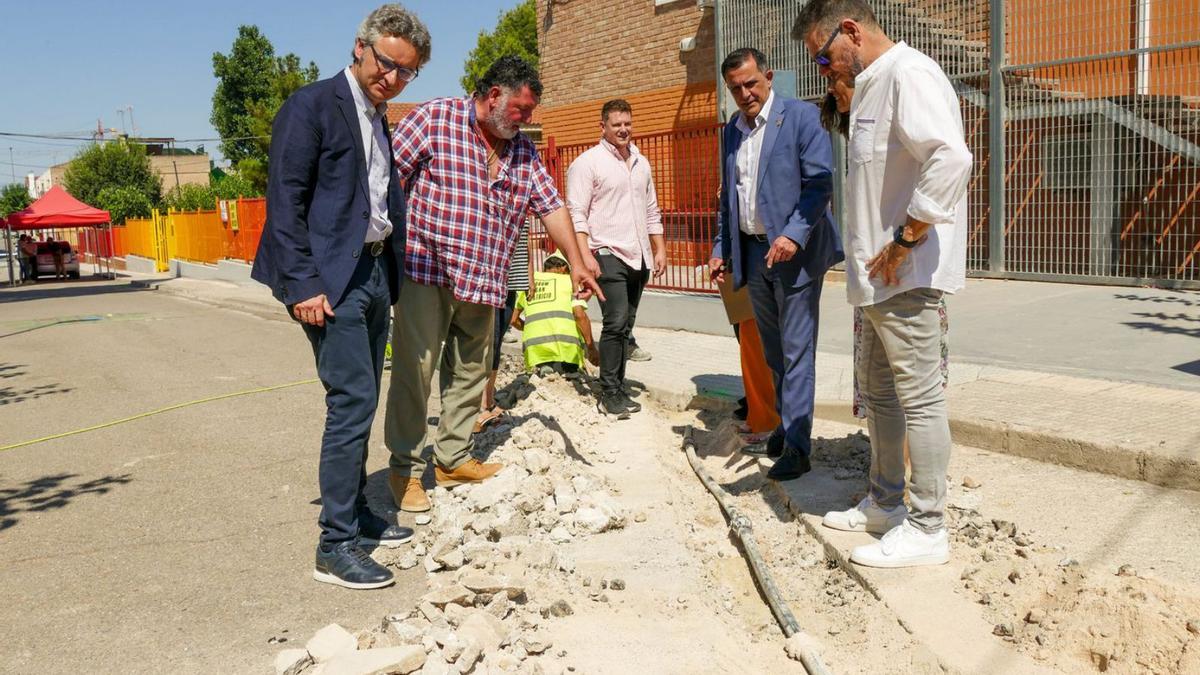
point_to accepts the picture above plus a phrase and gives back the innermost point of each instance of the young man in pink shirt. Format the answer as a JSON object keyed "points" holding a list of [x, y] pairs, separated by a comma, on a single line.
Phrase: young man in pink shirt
{"points": [[610, 194]]}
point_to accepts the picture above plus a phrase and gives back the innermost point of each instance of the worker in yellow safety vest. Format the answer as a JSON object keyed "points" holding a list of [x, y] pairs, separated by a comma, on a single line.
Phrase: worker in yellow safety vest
{"points": [[555, 327]]}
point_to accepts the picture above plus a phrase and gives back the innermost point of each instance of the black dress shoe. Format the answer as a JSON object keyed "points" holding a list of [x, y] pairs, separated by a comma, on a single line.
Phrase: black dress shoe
{"points": [[345, 564], [377, 531], [762, 449], [790, 466], [772, 447]]}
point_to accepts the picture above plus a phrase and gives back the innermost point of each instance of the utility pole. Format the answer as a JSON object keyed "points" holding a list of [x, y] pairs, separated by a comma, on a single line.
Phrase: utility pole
{"points": [[12, 163]]}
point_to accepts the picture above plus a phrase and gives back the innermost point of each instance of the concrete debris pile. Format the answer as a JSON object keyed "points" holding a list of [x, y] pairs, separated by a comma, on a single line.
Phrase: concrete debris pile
{"points": [[335, 651], [492, 551], [1056, 609], [849, 456]]}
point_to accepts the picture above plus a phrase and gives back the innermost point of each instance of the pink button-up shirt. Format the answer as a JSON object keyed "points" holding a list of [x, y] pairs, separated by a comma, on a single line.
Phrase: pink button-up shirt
{"points": [[614, 202]]}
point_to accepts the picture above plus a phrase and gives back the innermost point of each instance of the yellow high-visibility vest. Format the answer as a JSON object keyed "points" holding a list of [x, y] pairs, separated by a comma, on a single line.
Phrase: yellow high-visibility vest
{"points": [[550, 332]]}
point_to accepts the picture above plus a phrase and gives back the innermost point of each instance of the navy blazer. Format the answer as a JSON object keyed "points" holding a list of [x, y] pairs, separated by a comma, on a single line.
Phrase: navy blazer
{"points": [[795, 183], [317, 198]]}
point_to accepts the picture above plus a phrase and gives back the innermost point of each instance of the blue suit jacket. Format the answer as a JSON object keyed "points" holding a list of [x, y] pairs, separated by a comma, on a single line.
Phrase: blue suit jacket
{"points": [[795, 182], [317, 198]]}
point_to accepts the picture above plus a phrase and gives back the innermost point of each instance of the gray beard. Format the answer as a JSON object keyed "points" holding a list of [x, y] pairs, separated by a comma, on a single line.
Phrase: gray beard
{"points": [[500, 126]]}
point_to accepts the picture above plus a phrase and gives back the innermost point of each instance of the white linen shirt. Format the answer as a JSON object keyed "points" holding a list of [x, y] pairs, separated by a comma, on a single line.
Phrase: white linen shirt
{"points": [[907, 157], [370, 125], [748, 156]]}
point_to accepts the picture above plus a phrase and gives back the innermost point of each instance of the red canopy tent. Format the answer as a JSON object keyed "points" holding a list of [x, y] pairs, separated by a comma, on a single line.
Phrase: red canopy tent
{"points": [[57, 209]]}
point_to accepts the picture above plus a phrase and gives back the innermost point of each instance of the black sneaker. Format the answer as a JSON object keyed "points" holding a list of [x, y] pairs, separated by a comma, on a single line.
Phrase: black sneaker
{"points": [[345, 564], [613, 404], [374, 530], [790, 466], [630, 404]]}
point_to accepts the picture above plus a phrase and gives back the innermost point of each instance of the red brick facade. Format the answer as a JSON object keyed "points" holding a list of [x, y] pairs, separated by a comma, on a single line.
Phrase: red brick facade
{"points": [[594, 50]]}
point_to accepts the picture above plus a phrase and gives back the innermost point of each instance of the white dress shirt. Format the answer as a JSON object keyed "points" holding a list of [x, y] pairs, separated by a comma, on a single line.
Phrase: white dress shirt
{"points": [[907, 157], [747, 168], [370, 125]]}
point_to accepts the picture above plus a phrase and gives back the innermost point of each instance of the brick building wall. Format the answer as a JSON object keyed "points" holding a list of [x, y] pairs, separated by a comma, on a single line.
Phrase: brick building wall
{"points": [[595, 50]]}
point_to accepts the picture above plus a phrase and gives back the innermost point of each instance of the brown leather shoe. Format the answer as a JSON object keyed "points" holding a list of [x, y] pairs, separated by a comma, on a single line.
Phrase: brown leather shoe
{"points": [[470, 471], [408, 493]]}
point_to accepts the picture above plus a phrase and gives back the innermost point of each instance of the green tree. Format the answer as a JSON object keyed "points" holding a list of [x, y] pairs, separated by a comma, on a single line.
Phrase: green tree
{"points": [[111, 165], [232, 186], [251, 85], [14, 197], [515, 35], [243, 76], [190, 197], [122, 202]]}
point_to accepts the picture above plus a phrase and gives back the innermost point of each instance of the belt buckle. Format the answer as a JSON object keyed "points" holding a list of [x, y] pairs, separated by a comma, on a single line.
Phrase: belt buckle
{"points": [[376, 248]]}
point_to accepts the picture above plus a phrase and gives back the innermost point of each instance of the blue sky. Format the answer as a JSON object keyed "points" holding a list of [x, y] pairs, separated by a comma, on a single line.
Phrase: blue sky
{"points": [[64, 64]]}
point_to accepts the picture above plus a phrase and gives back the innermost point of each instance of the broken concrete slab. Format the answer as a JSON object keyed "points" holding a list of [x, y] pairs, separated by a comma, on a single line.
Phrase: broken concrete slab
{"points": [[388, 660]]}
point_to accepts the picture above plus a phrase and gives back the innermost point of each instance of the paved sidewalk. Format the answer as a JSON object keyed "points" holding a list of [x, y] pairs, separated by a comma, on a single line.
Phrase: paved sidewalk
{"points": [[1139, 430]]}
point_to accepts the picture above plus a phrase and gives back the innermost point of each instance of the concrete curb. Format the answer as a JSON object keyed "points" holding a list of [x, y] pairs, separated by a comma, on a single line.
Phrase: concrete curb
{"points": [[1043, 446], [247, 307]]}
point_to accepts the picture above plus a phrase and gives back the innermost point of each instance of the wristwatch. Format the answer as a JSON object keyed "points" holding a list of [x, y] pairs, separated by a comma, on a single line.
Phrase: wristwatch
{"points": [[898, 237]]}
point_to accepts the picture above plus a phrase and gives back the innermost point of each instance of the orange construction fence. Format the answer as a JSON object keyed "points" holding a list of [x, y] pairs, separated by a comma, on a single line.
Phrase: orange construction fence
{"points": [[229, 232]]}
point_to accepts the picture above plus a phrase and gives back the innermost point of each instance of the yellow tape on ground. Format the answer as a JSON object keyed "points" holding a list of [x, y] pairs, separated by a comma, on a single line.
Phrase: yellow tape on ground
{"points": [[177, 406]]}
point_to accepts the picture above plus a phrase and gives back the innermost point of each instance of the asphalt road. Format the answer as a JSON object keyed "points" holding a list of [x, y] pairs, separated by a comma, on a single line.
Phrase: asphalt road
{"points": [[180, 541]]}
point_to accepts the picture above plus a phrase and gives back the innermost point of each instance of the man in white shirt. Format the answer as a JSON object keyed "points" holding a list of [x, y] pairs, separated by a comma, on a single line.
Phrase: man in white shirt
{"points": [[906, 237]]}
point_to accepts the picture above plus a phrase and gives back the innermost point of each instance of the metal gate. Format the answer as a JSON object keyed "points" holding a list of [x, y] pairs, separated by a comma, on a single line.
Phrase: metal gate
{"points": [[1083, 117]]}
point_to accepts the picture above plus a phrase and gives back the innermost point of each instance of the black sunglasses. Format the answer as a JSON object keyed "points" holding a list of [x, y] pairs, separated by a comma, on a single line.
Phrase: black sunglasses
{"points": [[822, 57], [387, 65]]}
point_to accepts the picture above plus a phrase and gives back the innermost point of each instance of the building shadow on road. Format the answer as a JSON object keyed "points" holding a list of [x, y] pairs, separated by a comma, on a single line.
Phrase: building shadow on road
{"points": [[74, 290], [50, 493]]}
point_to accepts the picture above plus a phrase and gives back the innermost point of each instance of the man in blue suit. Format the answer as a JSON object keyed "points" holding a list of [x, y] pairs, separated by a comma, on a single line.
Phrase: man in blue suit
{"points": [[332, 251], [776, 234]]}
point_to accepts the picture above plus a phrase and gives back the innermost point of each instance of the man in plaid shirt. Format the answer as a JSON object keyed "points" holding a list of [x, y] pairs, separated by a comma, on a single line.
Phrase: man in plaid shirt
{"points": [[472, 180]]}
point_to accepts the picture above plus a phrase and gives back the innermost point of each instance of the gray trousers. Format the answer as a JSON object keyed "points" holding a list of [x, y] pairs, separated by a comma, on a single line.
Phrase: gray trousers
{"points": [[899, 372], [430, 325]]}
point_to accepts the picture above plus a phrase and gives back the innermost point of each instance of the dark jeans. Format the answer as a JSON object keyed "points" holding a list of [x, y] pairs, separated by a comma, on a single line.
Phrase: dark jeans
{"points": [[787, 318], [622, 286], [349, 351]]}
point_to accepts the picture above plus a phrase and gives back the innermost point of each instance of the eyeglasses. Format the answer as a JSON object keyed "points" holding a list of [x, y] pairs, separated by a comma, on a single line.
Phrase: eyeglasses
{"points": [[822, 56], [387, 66]]}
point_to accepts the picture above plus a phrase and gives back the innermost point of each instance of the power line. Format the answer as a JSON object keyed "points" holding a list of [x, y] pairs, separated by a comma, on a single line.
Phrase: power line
{"points": [[12, 134]]}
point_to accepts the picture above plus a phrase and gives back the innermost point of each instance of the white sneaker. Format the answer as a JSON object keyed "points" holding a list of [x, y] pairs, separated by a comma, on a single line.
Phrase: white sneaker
{"points": [[866, 517], [905, 546]]}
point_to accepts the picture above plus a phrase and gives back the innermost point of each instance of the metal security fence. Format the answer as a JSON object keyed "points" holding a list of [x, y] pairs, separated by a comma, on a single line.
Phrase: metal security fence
{"points": [[1083, 117], [687, 178]]}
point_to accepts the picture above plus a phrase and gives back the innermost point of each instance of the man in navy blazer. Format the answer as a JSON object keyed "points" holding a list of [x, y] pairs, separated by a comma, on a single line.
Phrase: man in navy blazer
{"points": [[777, 234], [332, 251]]}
